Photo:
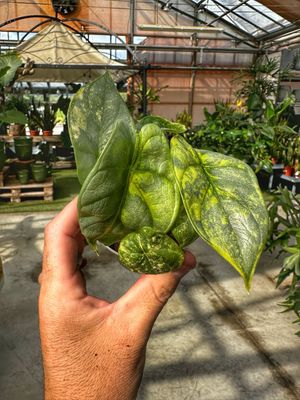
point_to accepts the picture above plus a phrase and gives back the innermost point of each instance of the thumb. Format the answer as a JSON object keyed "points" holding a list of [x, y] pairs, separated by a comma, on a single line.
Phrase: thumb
{"points": [[143, 302]]}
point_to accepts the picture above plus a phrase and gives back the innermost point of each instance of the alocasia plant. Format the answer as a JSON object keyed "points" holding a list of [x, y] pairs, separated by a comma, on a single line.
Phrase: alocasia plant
{"points": [[154, 196]]}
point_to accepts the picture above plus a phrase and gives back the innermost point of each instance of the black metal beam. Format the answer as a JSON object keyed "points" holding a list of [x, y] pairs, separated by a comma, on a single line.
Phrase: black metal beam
{"points": [[264, 15], [186, 49], [63, 21], [144, 90], [240, 16], [241, 31], [140, 67], [228, 12]]}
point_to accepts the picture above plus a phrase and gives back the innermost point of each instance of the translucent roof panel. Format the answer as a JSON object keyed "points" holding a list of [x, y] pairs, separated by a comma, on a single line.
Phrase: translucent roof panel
{"points": [[247, 15]]}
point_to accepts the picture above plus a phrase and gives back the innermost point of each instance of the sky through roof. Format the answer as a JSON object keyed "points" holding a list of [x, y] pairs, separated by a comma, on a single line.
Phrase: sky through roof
{"points": [[247, 15]]}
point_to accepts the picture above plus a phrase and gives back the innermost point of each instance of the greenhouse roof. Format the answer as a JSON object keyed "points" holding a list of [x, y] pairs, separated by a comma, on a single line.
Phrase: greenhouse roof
{"points": [[248, 15], [252, 18]]}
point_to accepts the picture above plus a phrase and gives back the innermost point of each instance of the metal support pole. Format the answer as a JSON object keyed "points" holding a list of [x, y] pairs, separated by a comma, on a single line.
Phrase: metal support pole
{"points": [[193, 76], [144, 90]]}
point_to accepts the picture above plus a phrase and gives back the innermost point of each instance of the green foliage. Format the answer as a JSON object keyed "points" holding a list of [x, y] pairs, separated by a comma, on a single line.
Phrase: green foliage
{"points": [[231, 217], [9, 63], [265, 75], [93, 114], [48, 118], [143, 190], [284, 211], [152, 94], [256, 132], [148, 251], [13, 116], [170, 128], [184, 118], [235, 132], [14, 110], [34, 116]]}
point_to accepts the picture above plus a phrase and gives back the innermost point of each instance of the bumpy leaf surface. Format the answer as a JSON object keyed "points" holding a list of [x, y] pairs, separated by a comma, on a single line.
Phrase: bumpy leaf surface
{"points": [[224, 203], [153, 197], [132, 185], [92, 115], [164, 124], [182, 230], [150, 252]]}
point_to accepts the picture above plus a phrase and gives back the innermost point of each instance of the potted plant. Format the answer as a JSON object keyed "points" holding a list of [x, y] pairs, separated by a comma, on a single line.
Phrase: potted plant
{"points": [[194, 192], [284, 212], [12, 108], [48, 119], [34, 119], [20, 104]]}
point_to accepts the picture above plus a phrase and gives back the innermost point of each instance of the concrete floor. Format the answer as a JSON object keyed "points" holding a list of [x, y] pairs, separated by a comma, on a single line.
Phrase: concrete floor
{"points": [[213, 341]]}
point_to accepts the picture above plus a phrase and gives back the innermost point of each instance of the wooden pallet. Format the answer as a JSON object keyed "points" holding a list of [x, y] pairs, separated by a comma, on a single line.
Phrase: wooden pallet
{"points": [[15, 192], [63, 165], [3, 175]]}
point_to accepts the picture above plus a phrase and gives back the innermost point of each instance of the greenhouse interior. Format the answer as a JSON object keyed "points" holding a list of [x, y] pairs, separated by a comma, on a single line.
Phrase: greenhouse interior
{"points": [[150, 200]]}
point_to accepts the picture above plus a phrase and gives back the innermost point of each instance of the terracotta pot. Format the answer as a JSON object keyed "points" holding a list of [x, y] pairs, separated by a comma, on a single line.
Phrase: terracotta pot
{"points": [[34, 132], [47, 133], [273, 160], [288, 170]]}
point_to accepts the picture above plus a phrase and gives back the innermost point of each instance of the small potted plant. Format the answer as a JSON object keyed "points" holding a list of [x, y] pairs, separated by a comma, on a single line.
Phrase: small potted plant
{"points": [[16, 104], [34, 120], [48, 119], [291, 155]]}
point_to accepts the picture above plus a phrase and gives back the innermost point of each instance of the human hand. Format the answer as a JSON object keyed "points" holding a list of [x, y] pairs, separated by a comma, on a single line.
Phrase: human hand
{"points": [[93, 349]]}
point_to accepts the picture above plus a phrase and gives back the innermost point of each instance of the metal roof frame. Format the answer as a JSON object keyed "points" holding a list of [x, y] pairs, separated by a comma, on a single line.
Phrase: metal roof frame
{"points": [[246, 35], [255, 39]]}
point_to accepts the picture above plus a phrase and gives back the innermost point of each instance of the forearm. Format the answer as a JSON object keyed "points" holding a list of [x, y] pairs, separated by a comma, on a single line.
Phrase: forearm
{"points": [[80, 374]]}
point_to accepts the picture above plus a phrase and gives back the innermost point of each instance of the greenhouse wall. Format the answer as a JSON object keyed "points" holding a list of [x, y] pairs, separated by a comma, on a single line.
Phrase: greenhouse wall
{"points": [[176, 97]]}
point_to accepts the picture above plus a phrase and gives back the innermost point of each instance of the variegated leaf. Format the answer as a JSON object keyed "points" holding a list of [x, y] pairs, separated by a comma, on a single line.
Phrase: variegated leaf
{"points": [[224, 203]]}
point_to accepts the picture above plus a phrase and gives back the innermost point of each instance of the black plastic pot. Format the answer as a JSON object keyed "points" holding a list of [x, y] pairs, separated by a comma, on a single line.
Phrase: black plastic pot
{"points": [[264, 178], [275, 180]]}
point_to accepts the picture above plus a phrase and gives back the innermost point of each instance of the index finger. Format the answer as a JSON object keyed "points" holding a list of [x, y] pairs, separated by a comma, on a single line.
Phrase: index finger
{"points": [[63, 243]]}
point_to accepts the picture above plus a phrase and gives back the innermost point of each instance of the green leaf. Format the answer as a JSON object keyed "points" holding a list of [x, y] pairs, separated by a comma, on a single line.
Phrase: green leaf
{"points": [[182, 230], [150, 252], [92, 116], [3, 71], [10, 61], [13, 116], [153, 198], [224, 203], [164, 124], [103, 192], [292, 263], [132, 185]]}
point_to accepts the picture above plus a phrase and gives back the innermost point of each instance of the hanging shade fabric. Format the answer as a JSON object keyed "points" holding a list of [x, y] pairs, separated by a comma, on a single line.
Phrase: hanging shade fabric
{"points": [[66, 57]]}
